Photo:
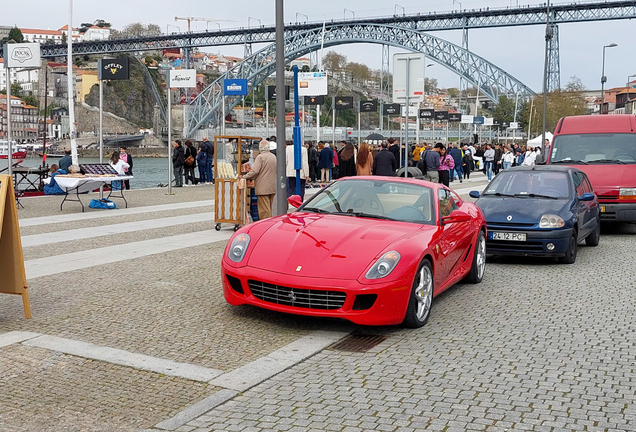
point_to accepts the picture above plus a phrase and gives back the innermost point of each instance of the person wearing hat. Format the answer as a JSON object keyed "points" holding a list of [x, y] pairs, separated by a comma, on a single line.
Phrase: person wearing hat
{"points": [[263, 173]]}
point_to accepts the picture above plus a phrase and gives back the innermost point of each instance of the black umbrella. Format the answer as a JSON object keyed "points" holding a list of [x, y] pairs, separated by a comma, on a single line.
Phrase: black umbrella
{"points": [[375, 137]]}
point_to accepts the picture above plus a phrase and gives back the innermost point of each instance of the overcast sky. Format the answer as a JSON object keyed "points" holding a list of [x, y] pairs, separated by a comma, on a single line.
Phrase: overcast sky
{"points": [[518, 50]]}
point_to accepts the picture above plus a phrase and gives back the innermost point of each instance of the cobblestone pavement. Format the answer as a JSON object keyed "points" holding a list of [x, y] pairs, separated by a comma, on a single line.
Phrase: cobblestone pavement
{"points": [[44, 390], [536, 346]]}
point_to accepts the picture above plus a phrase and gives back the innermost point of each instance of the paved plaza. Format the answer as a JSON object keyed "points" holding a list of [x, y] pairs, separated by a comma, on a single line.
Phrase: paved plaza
{"points": [[130, 332]]}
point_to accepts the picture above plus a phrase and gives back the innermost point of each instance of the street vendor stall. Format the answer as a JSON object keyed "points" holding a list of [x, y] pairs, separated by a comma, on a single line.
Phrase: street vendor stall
{"points": [[92, 177], [230, 153]]}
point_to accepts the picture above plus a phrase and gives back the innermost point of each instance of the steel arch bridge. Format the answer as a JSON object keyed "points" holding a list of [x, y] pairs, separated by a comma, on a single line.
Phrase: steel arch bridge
{"points": [[491, 80]]}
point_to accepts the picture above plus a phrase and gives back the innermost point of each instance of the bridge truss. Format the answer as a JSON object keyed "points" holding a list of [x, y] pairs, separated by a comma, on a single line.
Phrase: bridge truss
{"points": [[491, 80], [465, 19]]}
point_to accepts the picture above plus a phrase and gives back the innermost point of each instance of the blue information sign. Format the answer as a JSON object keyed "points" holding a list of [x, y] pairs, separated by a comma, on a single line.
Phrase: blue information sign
{"points": [[478, 120], [235, 87]]}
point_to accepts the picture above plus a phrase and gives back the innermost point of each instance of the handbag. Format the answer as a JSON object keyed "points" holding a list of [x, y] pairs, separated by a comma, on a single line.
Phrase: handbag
{"points": [[189, 160]]}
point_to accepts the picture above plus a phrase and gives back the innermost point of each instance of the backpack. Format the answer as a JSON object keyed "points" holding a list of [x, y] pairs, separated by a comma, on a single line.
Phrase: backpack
{"points": [[421, 164]]}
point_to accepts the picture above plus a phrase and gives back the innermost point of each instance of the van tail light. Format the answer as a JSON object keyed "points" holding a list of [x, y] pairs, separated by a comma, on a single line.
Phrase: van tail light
{"points": [[627, 194]]}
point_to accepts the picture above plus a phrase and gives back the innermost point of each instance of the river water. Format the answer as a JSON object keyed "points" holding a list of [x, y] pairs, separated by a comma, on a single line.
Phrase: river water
{"points": [[148, 172]]}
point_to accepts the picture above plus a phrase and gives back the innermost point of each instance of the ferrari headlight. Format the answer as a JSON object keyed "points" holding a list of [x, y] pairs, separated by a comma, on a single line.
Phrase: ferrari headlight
{"points": [[384, 266], [238, 247], [551, 221]]}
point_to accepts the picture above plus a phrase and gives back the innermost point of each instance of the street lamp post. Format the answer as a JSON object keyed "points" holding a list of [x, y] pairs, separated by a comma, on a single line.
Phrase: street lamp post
{"points": [[344, 14], [460, 5], [603, 77]]}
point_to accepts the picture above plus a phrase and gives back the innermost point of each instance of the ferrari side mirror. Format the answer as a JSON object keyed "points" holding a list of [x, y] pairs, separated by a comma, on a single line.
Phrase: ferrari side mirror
{"points": [[295, 201]]}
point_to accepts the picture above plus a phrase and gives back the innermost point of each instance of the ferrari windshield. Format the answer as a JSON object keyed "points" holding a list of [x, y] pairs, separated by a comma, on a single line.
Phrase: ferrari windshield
{"points": [[377, 199], [595, 148], [529, 184]]}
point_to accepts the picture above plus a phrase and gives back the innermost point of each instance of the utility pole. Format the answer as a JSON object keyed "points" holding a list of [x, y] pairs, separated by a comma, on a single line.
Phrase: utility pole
{"points": [[548, 37], [281, 163]]}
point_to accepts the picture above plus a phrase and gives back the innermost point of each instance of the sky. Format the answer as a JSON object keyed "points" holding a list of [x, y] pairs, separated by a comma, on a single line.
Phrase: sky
{"points": [[517, 50]]}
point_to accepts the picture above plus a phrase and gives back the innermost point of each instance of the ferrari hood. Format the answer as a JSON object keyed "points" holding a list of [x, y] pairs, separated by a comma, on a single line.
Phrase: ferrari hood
{"points": [[325, 246], [520, 210]]}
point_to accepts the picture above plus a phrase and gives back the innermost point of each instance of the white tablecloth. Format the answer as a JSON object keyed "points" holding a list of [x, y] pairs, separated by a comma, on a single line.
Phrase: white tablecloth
{"points": [[85, 184]]}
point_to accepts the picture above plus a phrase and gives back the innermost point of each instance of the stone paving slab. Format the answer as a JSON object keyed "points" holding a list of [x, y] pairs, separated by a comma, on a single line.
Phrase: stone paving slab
{"points": [[50, 205], [113, 218], [168, 306], [47, 391], [186, 226]]}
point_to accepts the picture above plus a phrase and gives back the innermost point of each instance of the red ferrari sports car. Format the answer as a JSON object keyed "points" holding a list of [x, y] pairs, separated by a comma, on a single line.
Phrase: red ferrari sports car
{"points": [[371, 250]]}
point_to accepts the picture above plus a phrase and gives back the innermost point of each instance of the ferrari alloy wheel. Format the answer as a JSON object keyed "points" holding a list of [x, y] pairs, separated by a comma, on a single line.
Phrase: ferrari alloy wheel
{"points": [[570, 254], [478, 267], [421, 301]]}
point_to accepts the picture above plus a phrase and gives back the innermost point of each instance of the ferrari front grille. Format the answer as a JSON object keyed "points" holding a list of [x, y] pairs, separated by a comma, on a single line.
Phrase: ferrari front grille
{"points": [[302, 298]]}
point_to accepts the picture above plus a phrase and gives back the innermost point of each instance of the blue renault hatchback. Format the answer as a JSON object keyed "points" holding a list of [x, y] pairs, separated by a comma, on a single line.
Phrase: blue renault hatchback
{"points": [[542, 210]]}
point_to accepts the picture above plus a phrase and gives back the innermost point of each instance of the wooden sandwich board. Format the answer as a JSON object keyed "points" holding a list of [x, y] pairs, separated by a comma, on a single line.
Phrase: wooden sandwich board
{"points": [[12, 273]]}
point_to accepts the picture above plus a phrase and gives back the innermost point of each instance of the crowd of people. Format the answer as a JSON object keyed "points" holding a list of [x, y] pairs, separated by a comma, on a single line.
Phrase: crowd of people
{"points": [[324, 161]]}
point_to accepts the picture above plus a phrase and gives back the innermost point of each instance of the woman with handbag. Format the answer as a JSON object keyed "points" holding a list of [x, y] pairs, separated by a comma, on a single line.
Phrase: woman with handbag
{"points": [[190, 162]]}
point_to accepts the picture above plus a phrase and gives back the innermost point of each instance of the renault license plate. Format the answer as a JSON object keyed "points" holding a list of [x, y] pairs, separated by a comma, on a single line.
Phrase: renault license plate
{"points": [[509, 236]]}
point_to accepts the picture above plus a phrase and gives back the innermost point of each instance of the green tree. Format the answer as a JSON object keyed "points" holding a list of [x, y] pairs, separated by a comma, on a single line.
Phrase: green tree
{"points": [[504, 110], [137, 30], [31, 100], [15, 36]]}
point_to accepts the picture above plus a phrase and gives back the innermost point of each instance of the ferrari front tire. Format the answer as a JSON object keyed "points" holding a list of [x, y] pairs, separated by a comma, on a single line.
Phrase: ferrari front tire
{"points": [[421, 299], [476, 273]]}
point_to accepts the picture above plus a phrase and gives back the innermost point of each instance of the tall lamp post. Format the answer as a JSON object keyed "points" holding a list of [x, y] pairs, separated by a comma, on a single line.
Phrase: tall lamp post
{"points": [[603, 77]]}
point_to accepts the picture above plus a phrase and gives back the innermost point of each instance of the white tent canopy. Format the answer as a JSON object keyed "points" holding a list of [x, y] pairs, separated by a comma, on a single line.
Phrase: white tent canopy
{"points": [[537, 141]]}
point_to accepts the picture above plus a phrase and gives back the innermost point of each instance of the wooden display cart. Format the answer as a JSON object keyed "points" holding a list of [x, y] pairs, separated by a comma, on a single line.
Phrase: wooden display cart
{"points": [[230, 152]]}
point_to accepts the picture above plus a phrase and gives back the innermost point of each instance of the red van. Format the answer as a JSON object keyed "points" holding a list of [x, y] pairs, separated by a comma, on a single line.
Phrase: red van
{"points": [[604, 147]]}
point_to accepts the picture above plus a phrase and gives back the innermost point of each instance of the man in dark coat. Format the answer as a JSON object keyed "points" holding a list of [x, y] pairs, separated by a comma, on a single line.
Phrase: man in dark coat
{"points": [[384, 163], [312, 155], [178, 160], [458, 157], [394, 148], [497, 162], [208, 148]]}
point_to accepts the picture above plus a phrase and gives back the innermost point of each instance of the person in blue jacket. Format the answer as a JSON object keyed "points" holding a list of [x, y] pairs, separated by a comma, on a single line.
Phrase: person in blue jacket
{"points": [[325, 163], [53, 188]]}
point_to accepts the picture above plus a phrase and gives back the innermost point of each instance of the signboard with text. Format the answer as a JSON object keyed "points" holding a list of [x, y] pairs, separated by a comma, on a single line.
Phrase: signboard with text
{"points": [[312, 83], [183, 78], [344, 102], [478, 120], [427, 113], [368, 106], [391, 109], [271, 92], [22, 55], [454, 117], [441, 115], [467, 119], [314, 100], [113, 69], [234, 87]]}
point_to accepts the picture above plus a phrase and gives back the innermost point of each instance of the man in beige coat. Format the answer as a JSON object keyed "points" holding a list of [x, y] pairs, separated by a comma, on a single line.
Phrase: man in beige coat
{"points": [[264, 174]]}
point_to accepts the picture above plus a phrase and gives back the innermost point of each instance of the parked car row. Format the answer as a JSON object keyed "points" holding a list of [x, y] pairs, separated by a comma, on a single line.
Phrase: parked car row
{"points": [[377, 250]]}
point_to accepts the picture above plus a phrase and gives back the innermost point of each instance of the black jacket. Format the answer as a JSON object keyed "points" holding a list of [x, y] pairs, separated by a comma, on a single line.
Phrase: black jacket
{"points": [[191, 151], [384, 164], [209, 149], [178, 157], [312, 156], [395, 151]]}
